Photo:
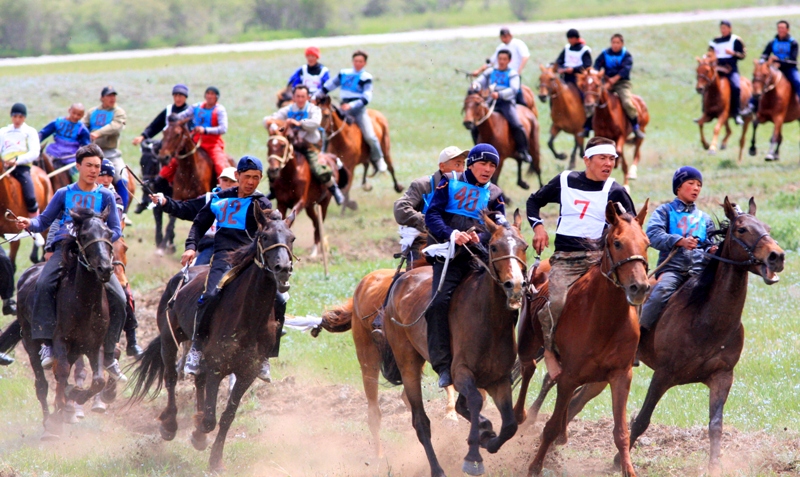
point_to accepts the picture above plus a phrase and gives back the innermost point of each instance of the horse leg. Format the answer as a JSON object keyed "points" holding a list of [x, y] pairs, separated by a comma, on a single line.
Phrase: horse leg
{"points": [[209, 421], [98, 380], [465, 384], [774, 142], [61, 369], [78, 375], [717, 128], [659, 385], [198, 438], [168, 418], [700, 123], [527, 369], [620, 388], [521, 183], [554, 130], [621, 159], [364, 184], [450, 413], [411, 371], [503, 399], [485, 425], [547, 385], [778, 148], [743, 137], [554, 425], [728, 132], [582, 396], [719, 386], [369, 357], [752, 151], [226, 419], [40, 382], [312, 214]]}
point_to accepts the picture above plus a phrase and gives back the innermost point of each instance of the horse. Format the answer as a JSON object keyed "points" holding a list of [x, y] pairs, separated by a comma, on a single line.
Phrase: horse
{"points": [[344, 140], [242, 331], [596, 339], [82, 318], [493, 129], [11, 199], [716, 93], [283, 97], [483, 312], [609, 119], [291, 182], [566, 111], [777, 102]]}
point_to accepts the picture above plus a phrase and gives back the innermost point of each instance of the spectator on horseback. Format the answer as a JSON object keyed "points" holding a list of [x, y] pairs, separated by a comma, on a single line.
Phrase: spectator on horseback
{"points": [[582, 198], [681, 227], [574, 58], [454, 214], [519, 58], [503, 84], [304, 118], [232, 211], [70, 134], [784, 48], [210, 122], [312, 75], [19, 147], [86, 191], [729, 49], [105, 122], [616, 62], [188, 210], [356, 86]]}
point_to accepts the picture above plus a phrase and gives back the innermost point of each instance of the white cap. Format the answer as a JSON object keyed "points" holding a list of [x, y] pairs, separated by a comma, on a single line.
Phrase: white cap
{"points": [[451, 152], [228, 173]]}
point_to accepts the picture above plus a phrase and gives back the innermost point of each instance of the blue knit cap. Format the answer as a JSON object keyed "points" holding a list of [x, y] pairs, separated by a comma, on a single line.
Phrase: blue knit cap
{"points": [[107, 168], [483, 152], [249, 163], [685, 173]]}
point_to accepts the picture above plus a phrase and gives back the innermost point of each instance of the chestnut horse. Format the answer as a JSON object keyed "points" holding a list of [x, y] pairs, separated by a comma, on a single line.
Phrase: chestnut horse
{"points": [[493, 129], [242, 331], [699, 337], [344, 140], [566, 111], [483, 313], [777, 102], [608, 117], [11, 199], [716, 91], [596, 339]]}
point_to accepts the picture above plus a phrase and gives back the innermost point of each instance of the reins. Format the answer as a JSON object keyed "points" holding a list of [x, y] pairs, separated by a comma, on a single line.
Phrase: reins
{"points": [[287, 151], [261, 262], [488, 113], [750, 249], [82, 250]]}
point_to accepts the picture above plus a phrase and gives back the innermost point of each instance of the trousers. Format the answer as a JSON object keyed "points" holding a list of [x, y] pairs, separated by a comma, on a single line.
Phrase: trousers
{"points": [[23, 175], [509, 111], [438, 313], [624, 90], [364, 123]]}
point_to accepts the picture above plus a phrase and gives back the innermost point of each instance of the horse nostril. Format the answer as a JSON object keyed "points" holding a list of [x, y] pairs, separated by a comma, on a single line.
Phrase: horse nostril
{"points": [[634, 288], [278, 268], [508, 284], [775, 257]]}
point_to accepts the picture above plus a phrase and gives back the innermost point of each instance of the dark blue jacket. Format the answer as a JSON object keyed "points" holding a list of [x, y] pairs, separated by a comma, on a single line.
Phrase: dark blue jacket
{"points": [[662, 240], [785, 50], [615, 63]]}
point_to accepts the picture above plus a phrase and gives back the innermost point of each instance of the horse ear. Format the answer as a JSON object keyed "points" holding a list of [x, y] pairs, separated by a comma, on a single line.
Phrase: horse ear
{"points": [[261, 216], [752, 209], [730, 212], [542, 67], [517, 219], [491, 226], [290, 219], [75, 216], [643, 212], [699, 60], [611, 213]]}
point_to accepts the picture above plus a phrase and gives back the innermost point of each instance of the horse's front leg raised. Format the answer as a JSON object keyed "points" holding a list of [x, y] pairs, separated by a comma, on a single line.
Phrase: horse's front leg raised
{"points": [[554, 130], [61, 368], [774, 142], [80, 396], [465, 384], [620, 388], [700, 123], [728, 132], [719, 386], [225, 421]]}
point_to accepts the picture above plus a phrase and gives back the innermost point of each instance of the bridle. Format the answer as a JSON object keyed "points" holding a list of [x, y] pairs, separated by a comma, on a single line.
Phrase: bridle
{"points": [[750, 249], [260, 259], [704, 76], [767, 83], [551, 85], [82, 259], [490, 108], [612, 274], [492, 260], [597, 94], [329, 116], [183, 137], [288, 150]]}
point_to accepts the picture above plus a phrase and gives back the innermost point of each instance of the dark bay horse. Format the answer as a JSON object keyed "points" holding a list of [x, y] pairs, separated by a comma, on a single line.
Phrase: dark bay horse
{"points": [[11, 199], [566, 111], [609, 119], [82, 318], [716, 91], [344, 140], [483, 312], [493, 129], [777, 102], [242, 332], [699, 337], [596, 339]]}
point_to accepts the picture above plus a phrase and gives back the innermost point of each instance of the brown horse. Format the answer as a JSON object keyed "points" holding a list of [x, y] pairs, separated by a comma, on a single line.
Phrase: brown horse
{"points": [[291, 182], [699, 337], [608, 117], [566, 111], [777, 102], [344, 140], [242, 332], [716, 91], [493, 129], [597, 339], [483, 312], [283, 97], [11, 199]]}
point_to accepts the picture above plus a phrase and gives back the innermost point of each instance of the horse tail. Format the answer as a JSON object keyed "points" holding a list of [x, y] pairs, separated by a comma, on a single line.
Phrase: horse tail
{"points": [[389, 367], [10, 337], [337, 320], [150, 370]]}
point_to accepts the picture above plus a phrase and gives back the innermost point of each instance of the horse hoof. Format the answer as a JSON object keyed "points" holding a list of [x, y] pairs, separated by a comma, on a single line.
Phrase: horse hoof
{"points": [[352, 205], [70, 418], [723, 146], [633, 172], [98, 405], [79, 411], [49, 437], [712, 151], [705, 146], [523, 185], [486, 436], [451, 416], [771, 158], [199, 443], [366, 186], [398, 188], [561, 156], [160, 252], [473, 468], [165, 434], [170, 249], [752, 151]]}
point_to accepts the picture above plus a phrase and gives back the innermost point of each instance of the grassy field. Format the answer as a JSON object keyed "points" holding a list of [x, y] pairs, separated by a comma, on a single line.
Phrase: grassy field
{"points": [[418, 91]]}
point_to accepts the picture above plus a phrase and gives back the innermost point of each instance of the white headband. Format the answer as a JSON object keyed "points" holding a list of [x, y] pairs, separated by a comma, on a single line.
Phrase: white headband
{"points": [[601, 149]]}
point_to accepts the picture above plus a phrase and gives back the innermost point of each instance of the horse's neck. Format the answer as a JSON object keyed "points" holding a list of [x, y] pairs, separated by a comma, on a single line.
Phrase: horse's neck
{"points": [[87, 287], [257, 302], [613, 296], [501, 318], [726, 298]]}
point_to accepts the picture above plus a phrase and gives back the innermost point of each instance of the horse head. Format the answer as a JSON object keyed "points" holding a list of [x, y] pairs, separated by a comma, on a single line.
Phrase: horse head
{"points": [[594, 91], [177, 139], [507, 258], [748, 243], [765, 75], [328, 110], [474, 109], [283, 97], [624, 259], [93, 237], [706, 72], [279, 148], [274, 242], [548, 82]]}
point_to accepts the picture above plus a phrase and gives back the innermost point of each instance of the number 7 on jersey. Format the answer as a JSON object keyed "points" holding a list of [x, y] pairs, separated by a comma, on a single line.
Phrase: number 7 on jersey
{"points": [[585, 204]]}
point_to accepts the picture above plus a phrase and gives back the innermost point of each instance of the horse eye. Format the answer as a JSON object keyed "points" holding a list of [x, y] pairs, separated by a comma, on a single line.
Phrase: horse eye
{"points": [[741, 230], [617, 244], [494, 248]]}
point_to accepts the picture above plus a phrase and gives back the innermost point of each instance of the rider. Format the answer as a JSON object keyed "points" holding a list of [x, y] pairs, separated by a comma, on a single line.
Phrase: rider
{"points": [[519, 58], [449, 219], [105, 122], [576, 57], [677, 224], [235, 230], [19, 147], [582, 197], [313, 74], [88, 160], [70, 134], [617, 63], [188, 210], [784, 47], [356, 86], [729, 49], [210, 123], [304, 118], [505, 84]]}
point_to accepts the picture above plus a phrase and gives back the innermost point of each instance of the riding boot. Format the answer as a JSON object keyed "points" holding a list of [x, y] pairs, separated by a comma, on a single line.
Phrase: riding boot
{"points": [[636, 129], [587, 128], [521, 141], [205, 308], [336, 193], [133, 349], [5, 359], [142, 206], [9, 307]]}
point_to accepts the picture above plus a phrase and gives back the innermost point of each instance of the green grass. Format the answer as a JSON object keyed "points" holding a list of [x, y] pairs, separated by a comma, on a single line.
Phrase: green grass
{"points": [[418, 92]]}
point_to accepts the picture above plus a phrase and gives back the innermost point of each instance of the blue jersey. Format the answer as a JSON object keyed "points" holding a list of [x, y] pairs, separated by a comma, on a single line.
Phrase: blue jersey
{"points": [[467, 199], [230, 212], [500, 78], [100, 118], [204, 117], [68, 131], [782, 48], [70, 197], [427, 198], [613, 61], [298, 115], [687, 224]]}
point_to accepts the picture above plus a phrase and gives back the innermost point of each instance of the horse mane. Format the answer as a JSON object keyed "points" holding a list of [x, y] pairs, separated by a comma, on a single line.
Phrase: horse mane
{"points": [[700, 285], [599, 244], [246, 253], [69, 245]]}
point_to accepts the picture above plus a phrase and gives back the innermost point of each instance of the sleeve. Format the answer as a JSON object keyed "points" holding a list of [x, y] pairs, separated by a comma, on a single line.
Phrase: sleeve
{"points": [[222, 121], [549, 194], [738, 47], [83, 136], [116, 125], [560, 59], [280, 114], [434, 218], [326, 76], [366, 93], [483, 79], [792, 54], [296, 78], [510, 93], [47, 131], [407, 208], [202, 222], [186, 113], [313, 121], [619, 194], [600, 62], [120, 206], [587, 61], [767, 51], [156, 126], [184, 209], [523, 50], [113, 219], [331, 84], [626, 66], [658, 231], [51, 212], [32, 137]]}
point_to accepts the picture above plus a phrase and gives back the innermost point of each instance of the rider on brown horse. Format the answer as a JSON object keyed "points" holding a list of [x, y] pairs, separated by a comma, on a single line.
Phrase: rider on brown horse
{"points": [[519, 58], [576, 57], [304, 118], [583, 197], [70, 134], [784, 48], [729, 49], [233, 212], [616, 62], [452, 217], [504, 85], [312, 75]]}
